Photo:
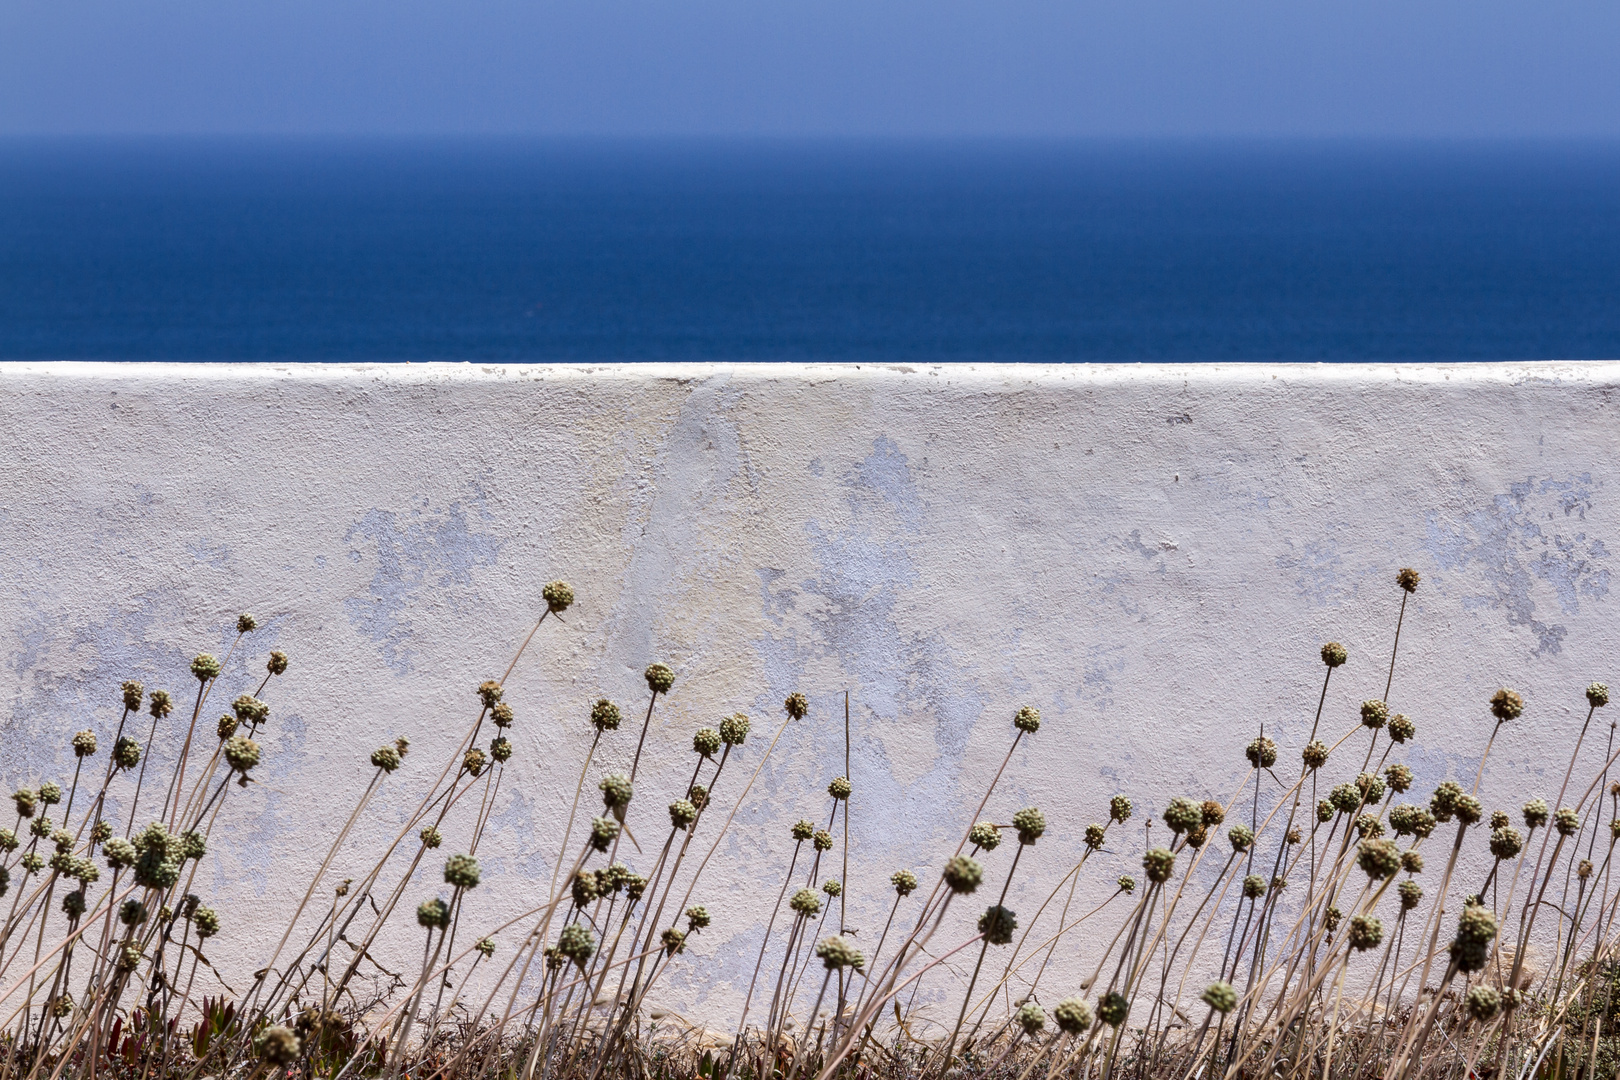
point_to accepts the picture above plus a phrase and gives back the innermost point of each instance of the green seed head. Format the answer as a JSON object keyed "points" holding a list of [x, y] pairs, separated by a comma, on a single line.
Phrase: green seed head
{"points": [[1566, 821], [697, 917], [962, 874], [1073, 1015], [205, 667], [1371, 786], [682, 814], [84, 743], [1254, 886], [823, 840], [734, 729], [1443, 803], [461, 871], [577, 943], [707, 742], [904, 882], [1094, 836], [806, 904], [1483, 1003], [1031, 1017], [1221, 997], [1401, 728], [1412, 861], [133, 692], [241, 753], [1183, 814], [1027, 720], [1241, 837], [1112, 1009], [250, 710], [1399, 778], [803, 830], [503, 718], [1158, 863], [277, 664], [431, 837], [485, 947], [674, 941], [1262, 753], [832, 887], [1506, 704], [386, 757], [119, 852], [1506, 842], [500, 748], [839, 952], [1379, 859], [616, 790], [839, 788], [1346, 798], [660, 677], [605, 715], [997, 925], [1126, 883], [1368, 827], [433, 914], [1030, 823], [159, 705], [489, 692], [1374, 714], [1315, 754], [25, 799], [1119, 809], [1411, 894], [50, 793], [126, 752], [1334, 654], [474, 762], [557, 595], [132, 913], [1536, 813], [796, 705], [1597, 695], [604, 831], [1366, 931]]}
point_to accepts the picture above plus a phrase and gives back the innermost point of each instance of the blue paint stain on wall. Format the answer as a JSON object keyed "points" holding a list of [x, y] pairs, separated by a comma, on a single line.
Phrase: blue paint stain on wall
{"points": [[421, 558], [1532, 533]]}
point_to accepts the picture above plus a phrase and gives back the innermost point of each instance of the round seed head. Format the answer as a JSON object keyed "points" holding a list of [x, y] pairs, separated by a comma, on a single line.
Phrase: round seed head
{"points": [[823, 840], [250, 710], [660, 677], [1213, 812], [605, 715], [616, 789], [806, 904], [474, 761], [682, 814], [503, 717], [962, 874], [1399, 777], [386, 757], [278, 1045], [839, 788], [1506, 842], [1374, 714], [1412, 861], [1476, 923], [1566, 821], [1031, 1017], [577, 943], [1411, 894], [1506, 704], [277, 664], [1158, 863], [1334, 654], [997, 925], [1536, 813], [1379, 859], [32, 863], [1331, 918], [1401, 728], [1196, 838], [734, 729], [697, 917], [1221, 997], [1262, 753], [796, 705], [674, 941], [698, 796], [226, 726], [803, 830], [1443, 803], [1315, 754], [1371, 786], [1030, 823], [1027, 720], [1469, 810], [1407, 578], [193, 845], [433, 914], [1241, 837], [126, 752], [706, 742], [1112, 1009], [839, 952], [1119, 809], [1500, 820], [1126, 883], [1073, 1015], [1293, 836], [461, 871], [84, 743], [586, 886], [904, 882], [1368, 827], [431, 837], [604, 830], [1614, 831], [133, 692], [129, 957], [1094, 836], [557, 595], [73, 904], [500, 748], [489, 692], [1278, 884], [41, 827], [1483, 1003], [1583, 870], [1597, 695], [634, 886], [205, 667], [100, 833], [132, 913], [1366, 931], [118, 852], [832, 888], [1183, 814], [485, 947], [159, 705], [241, 753], [50, 793], [1346, 798], [25, 799]]}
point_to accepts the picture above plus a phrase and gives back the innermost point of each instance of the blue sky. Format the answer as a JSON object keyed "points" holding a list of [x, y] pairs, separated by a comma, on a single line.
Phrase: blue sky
{"points": [[908, 68]]}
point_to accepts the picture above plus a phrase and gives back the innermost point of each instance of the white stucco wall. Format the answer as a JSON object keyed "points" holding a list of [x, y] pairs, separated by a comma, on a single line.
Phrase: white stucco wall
{"points": [[1151, 555]]}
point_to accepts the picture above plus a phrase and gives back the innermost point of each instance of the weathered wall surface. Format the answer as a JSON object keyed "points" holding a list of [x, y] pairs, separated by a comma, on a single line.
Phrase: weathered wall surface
{"points": [[1149, 555]]}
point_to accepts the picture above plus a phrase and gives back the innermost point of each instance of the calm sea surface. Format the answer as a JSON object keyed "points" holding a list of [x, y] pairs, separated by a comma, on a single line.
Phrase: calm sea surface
{"points": [[223, 250]]}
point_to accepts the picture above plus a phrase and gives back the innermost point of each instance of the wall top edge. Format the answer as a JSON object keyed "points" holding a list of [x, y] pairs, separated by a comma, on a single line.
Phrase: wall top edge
{"points": [[1583, 372]]}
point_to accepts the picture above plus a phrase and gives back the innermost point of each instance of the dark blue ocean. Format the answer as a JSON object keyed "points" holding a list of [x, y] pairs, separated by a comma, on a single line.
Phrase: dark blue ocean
{"points": [[509, 251]]}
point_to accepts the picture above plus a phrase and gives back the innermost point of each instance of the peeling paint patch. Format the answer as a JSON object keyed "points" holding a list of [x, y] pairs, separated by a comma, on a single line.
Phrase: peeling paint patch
{"points": [[1530, 534], [424, 558]]}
